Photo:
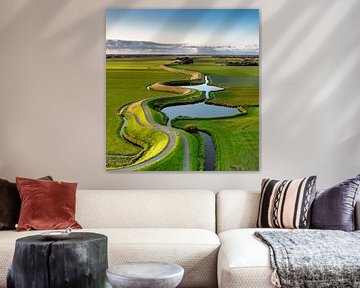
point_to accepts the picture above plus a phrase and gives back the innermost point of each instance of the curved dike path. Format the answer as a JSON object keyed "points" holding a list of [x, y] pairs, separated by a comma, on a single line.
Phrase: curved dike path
{"points": [[170, 145], [171, 132]]}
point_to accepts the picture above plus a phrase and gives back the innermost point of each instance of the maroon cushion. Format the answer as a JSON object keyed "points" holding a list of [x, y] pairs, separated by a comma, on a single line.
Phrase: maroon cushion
{"points": [[10, 204], [46, 204]]}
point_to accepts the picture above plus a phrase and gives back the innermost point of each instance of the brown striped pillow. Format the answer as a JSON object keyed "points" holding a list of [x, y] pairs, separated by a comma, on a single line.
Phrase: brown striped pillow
{"points": [[286, 204]]}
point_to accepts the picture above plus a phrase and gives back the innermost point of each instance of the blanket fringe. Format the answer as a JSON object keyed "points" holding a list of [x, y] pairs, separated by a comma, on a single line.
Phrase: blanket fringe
{"points": [[275, 280]]}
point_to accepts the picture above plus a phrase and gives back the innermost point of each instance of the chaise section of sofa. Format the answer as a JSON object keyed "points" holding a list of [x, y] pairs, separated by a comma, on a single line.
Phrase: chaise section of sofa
{"points": [[244, 261], [176, 226]]}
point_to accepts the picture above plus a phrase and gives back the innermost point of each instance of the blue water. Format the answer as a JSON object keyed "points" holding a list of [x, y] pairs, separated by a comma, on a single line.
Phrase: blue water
{"points": [[201, 109], [210, 153], [205, 87]]}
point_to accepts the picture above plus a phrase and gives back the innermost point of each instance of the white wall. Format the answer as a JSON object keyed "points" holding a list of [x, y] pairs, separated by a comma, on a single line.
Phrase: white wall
{"points": [[52, 91]]}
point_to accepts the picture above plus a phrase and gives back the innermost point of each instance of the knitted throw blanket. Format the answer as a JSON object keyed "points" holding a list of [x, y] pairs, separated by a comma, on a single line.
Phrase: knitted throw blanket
{"points": [[313, 258]]}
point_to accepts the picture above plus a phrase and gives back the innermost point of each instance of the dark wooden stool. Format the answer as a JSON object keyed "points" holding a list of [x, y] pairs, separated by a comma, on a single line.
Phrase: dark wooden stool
{"points": [[78, 261]]}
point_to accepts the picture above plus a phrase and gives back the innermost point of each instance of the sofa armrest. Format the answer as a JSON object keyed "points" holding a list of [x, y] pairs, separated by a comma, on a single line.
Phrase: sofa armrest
{"points": [[357, 215]]}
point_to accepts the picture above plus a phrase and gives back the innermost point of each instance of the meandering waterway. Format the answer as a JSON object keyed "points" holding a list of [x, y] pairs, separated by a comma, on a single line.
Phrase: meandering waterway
{"points": [[197, 110], [210, 153], [202, 110]]}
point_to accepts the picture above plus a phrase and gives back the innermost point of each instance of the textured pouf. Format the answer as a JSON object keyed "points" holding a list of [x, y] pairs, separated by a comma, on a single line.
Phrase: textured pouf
{"points": [[145, 275]]}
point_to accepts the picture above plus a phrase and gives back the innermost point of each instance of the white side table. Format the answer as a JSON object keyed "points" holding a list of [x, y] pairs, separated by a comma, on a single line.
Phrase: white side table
{"points": [[145, 275]]}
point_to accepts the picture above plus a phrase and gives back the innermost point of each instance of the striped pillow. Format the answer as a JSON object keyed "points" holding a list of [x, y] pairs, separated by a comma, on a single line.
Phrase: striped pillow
{"points": [[286, 204]]}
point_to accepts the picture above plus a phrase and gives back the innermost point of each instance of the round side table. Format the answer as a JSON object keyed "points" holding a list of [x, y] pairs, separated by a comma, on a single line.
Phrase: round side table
{"points": [[145, 275], [78, 261]]}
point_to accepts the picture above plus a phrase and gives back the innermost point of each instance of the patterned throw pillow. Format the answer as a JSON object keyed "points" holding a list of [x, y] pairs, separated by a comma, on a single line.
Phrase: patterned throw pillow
{"points": [[286, 204]]}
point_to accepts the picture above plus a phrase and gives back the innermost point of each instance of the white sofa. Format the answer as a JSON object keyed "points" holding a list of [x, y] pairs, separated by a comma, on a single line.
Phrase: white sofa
{"points": [[243, 261], [175, 226]]}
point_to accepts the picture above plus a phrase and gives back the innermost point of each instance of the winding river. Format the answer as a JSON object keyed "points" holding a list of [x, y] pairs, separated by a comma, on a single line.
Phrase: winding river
{"points": [[209, 164], [202, 110]]}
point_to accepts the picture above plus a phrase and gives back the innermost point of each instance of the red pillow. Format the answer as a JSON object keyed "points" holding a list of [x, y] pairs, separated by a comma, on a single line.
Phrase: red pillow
{"points": [[46, 204]]}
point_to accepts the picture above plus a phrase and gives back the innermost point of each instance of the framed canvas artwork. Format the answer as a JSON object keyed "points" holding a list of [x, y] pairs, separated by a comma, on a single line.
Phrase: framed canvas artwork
{"points": [[182, 90]]}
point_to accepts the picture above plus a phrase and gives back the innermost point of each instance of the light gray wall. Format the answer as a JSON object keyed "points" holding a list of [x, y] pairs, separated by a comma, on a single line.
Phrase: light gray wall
{"points": [[52, 89]]}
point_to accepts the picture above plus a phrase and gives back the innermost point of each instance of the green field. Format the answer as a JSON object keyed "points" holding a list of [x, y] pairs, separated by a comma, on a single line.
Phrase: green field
{"points": [[236, 139], [241, 82], [144, 136]]}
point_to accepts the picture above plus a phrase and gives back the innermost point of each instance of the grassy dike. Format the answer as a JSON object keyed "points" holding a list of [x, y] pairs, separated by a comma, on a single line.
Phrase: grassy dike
{"points": [[174, 160], [126, 82], [141, 132], [142, 141]]}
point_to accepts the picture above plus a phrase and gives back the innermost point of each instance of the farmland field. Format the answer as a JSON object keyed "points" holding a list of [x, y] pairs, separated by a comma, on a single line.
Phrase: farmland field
{"points": [[140, 137]]}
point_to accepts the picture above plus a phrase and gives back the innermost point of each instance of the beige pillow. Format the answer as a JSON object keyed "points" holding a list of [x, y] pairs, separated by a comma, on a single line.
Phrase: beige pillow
{"points": [[286, 204]]}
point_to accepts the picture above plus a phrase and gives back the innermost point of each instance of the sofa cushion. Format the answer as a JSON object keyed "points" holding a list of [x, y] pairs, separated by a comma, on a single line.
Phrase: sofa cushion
{"points": [[194, 249], [236, 209], [10, 204], [153, 209], [244, 261], [334, 208], [46, 204], [286, 204]]}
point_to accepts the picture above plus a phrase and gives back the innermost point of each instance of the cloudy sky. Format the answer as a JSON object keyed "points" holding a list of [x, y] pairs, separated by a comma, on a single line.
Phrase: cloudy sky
{"points": [[225, 31]]}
